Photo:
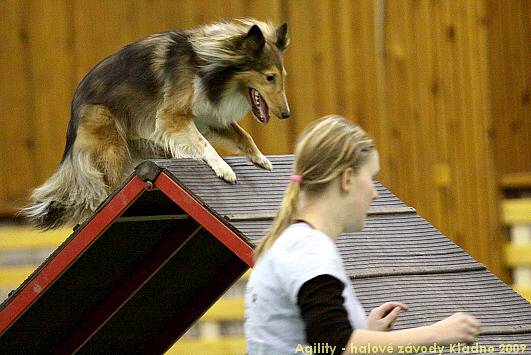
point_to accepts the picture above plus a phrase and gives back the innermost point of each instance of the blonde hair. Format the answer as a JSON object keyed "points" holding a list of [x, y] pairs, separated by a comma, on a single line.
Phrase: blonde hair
{"points": [[323, 151]]}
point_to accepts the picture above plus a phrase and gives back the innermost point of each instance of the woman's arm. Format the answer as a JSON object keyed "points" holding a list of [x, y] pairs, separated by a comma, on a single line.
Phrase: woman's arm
{"points": [[326, 321], [459, 327], [325, 318]]}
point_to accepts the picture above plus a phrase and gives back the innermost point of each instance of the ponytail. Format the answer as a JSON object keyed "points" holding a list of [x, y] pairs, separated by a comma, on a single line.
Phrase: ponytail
{"points": [[285, 216]]}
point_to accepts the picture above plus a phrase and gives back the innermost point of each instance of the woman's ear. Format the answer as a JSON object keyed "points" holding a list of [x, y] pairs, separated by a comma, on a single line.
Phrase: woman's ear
{"points": [[345, 180]]}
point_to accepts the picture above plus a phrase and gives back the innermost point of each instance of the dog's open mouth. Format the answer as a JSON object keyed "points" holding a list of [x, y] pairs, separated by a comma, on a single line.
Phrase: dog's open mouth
{"points": [[259, 106]]}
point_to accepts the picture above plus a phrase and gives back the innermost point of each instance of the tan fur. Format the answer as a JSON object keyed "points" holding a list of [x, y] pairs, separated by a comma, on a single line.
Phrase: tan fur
{"points": [[159, 54], [179, 100], [101, 138], [210, 41], [274, 94], [236, 137]]}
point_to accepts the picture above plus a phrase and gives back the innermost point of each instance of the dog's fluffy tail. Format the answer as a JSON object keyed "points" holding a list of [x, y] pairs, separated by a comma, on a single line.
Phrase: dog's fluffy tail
{"points": [[69, 196]]}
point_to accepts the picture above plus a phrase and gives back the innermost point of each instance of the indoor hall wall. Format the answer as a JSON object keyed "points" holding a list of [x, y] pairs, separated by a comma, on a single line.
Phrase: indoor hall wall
{"points": [[422, 77]]}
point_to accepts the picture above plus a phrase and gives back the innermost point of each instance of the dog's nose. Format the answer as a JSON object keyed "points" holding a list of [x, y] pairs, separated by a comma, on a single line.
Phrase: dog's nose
{"points": [[285, 114]]}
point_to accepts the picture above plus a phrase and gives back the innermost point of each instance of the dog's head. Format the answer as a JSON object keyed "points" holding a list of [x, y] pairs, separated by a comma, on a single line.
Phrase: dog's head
{"points": [[263, 75]]}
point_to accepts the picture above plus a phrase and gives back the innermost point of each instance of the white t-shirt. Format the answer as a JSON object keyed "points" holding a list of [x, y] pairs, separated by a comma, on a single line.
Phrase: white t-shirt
{"points": [[273, 324]]}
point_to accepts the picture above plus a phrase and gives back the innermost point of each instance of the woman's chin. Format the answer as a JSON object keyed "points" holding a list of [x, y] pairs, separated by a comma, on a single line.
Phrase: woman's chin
{"points": [[356, 227]]}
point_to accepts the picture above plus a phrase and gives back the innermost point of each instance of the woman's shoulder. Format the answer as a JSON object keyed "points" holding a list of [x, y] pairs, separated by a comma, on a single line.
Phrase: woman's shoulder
{"points": [[300, 237], [299, 254]]}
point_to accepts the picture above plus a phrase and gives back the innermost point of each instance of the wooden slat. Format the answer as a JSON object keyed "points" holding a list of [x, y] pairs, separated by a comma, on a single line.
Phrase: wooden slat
{"points": [[369, 64], [13, 276], [229, 308], [49, 33], [524, 291], [441, 96], [323, 41], [21, 238], [516, 180], [485, 189], [17, 134], [224, 346], [299, 62], [8, 208], [516, 211], [518, 255], [509, 25]]}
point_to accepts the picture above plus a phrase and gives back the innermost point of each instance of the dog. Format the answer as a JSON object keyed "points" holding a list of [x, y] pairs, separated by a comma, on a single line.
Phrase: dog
{"points": [[170, 95]]}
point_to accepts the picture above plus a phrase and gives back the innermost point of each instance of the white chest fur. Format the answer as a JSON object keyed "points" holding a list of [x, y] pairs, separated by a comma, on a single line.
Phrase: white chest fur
{"points": [[232, 107]]}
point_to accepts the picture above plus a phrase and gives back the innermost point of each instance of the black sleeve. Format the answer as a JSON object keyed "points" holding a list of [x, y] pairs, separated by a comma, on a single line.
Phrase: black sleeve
{"points": [[321, 303]]}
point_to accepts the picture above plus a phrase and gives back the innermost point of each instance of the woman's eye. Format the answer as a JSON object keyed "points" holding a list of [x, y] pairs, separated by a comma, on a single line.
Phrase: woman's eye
{"points": [[270, 78]]}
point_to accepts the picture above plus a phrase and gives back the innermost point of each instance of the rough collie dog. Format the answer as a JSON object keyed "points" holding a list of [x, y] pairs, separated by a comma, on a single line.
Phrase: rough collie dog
{"points": [[171, 95]]}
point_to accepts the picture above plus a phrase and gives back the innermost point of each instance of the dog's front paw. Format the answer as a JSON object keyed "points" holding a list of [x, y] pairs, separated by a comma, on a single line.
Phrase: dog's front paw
{"points": [[224, 171], [262, 162]]}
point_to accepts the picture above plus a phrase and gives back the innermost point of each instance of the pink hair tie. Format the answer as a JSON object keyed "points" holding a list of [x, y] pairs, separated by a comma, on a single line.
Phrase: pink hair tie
{"points": [[296, 178]]}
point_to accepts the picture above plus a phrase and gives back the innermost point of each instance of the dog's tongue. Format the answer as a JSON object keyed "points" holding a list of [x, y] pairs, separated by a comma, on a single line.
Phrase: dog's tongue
{"points": [[259, 106], [264, 110]]}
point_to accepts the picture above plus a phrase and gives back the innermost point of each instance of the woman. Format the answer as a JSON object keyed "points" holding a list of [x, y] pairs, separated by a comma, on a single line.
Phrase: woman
{"points": [[298, 294]]}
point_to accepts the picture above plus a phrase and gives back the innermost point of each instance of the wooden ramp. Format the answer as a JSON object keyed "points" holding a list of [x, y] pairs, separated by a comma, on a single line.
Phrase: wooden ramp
{"points": [[167, 244]]}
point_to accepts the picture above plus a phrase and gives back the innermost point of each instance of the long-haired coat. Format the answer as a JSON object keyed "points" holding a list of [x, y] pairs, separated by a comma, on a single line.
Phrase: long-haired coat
{"points": [[171, 95]]}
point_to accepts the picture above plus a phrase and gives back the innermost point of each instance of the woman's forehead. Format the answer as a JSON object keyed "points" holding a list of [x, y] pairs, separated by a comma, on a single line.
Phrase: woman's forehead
{"points": [[372, 165]]}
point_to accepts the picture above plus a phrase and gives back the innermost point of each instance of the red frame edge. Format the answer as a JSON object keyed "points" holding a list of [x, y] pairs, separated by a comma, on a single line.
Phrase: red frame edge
{"points": [[70, 252], [205, 218]]}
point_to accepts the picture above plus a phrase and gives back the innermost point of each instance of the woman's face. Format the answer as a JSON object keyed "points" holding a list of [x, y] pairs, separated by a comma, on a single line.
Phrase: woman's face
{"points": [[361, 193]]}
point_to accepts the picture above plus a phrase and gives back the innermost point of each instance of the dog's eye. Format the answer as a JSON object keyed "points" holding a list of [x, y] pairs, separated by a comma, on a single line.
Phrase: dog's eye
{"points": [[270, 78]]}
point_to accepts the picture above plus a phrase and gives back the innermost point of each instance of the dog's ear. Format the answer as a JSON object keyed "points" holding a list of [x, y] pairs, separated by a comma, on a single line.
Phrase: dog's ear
{"points": [[282, 37], [254, 41]]}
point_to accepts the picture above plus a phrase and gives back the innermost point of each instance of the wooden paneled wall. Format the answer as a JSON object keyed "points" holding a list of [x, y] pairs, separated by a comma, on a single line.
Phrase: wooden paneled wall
{"points": [[442, 86], [510, 76], [439, 119]]}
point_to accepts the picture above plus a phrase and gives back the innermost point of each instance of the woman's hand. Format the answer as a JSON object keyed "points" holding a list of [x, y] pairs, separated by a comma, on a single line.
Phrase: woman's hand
{"points": [[383, 317], [459, 327]]}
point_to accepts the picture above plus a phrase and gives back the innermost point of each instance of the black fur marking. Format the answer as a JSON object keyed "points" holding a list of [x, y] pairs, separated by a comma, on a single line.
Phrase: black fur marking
{"points": [[282, 36], [71, 133], [53, 217], [179, 54], [254, 41], [215, 81], [131, 66]]}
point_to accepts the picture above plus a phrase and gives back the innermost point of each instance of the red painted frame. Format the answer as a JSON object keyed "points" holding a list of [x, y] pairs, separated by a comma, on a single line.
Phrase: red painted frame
{"points": [[204, 217], [47, 275]]}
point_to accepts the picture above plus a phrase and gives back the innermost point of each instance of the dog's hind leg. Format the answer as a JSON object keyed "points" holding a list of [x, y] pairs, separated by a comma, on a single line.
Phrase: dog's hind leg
{"points": [[234, 136], [180, 136], [88, 173], [100, 136]]}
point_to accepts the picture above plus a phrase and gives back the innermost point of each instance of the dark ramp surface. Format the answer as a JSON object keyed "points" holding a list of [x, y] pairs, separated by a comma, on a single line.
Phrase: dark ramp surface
{"points": [[173, 238]]}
